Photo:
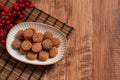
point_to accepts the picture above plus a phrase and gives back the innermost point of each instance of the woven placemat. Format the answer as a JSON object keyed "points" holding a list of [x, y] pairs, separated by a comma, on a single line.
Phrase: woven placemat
{"points": [[11, 69]]}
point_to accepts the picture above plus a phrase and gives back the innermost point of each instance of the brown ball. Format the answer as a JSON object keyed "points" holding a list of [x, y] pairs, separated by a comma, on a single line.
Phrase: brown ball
{"points": [[37, 37], [47, 44], [32, 55], [16, 43], [37, 47], [23, 52], [43, 56], [56, 42], [19, 34], [33, 29], [48, 35], [28, 34], [53, 52], [26, 45]]}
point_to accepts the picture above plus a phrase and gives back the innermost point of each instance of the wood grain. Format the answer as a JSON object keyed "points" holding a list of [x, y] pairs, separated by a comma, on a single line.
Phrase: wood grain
{"points": [[106, 40], [77, 64], [96, 37]]}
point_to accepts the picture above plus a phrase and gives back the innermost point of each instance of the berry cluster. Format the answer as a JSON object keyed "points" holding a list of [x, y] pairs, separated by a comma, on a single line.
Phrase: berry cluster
{"points": [[9, 16]]}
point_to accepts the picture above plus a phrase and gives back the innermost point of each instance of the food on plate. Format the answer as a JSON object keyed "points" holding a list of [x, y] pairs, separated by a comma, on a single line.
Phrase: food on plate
{"points": [[19, 34], [36, 45], [32, 55], [26, 45], [43, 55], [47, 44], [33, 29], [48, 35], [53, 52], [16, 43], [28, 34], [56, 42], [37, 37], [23, 52]]}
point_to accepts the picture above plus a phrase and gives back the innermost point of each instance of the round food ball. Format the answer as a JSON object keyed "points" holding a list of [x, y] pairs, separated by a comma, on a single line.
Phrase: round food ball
{"points": [[47, 44], [23, 52], [37, 37], [16, 43], [43, 56], [53, 52], [32, 55], [48, 35], [26, 45], [56, 42], [19, 34], [28, 34], [37, 47], [33, 29]]}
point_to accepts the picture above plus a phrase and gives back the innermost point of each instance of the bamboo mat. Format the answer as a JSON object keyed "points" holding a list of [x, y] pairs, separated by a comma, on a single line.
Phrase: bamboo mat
{"points": [[11, 69]]}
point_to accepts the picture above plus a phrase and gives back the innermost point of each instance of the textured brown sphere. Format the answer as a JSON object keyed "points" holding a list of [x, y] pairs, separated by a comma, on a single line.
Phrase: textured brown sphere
{"points": [[47, 44], [19, 34], [23, 52], [53, 52], [43, 55], [37, 47], [32, 55], [26, 45], [33, 29], [37, 37], [56, 42], [16, 43], [28, 34], [48, 35]]}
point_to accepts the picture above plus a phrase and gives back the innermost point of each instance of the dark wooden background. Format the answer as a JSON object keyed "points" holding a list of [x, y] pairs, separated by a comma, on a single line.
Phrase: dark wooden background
{"points": [[96, 36]]}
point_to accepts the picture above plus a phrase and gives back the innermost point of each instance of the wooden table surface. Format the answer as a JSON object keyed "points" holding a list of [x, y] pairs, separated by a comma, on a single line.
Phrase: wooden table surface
{"points": [[93, 49]]}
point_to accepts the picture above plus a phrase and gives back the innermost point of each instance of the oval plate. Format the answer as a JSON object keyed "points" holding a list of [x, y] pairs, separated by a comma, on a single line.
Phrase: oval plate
{"points": [[40, 28]]}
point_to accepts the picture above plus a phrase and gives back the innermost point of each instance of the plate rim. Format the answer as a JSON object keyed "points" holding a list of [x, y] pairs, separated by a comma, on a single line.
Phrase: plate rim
{"points": [[39, 24]]}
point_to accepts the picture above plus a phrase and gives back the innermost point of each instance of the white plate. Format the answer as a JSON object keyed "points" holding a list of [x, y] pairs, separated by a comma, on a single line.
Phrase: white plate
{"points": [[41, 28]]}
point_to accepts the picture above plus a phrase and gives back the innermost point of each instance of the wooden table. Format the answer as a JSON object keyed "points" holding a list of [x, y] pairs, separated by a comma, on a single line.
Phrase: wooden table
{"points": [[93, 50]]}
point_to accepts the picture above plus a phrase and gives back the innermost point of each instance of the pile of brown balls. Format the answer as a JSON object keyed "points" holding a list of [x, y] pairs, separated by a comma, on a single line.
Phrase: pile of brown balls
{"points": [[35, 44]]}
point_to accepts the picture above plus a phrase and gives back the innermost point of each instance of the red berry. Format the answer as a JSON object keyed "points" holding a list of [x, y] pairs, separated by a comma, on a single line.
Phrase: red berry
{"points": [[5, 9], [1, 5], [31, 5], [16, 4], [6, 28], [19, 13], [3, 41], [9, 14], [14, 12], [8, 22], [21, 16], [2, 35], [16, 8], [20, 1], [1, 25], [6, 17], [27, 3], [10, 9], [3, 13], [2, 31], [11, 25], [3, 21], [21, 5]]}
